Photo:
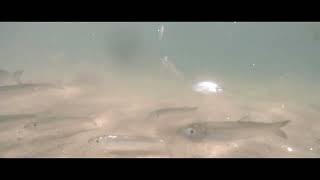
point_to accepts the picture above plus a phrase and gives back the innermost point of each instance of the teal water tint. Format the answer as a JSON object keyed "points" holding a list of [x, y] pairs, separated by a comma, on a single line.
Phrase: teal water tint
{"points": [[257, 53], [254, 52], [266, 68]]}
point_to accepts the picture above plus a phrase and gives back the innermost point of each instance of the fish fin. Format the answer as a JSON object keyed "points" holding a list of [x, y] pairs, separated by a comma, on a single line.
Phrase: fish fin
{"points": [[280, 124], [244, 119], [17, 76], [280, 133]]}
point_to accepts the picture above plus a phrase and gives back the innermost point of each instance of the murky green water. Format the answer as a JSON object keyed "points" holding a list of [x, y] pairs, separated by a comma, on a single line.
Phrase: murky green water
{"points": [[124, 89]]}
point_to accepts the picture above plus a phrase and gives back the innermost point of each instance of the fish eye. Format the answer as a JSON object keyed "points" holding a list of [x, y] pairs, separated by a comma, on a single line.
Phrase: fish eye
{"points": [[191, 131]]}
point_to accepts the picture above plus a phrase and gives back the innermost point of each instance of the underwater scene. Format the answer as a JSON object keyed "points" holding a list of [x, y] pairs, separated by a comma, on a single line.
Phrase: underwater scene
{"points": [[159, 89]]}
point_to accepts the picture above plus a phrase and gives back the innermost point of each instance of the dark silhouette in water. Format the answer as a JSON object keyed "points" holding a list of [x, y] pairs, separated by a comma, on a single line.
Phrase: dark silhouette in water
{"points": [[125, 46], [6, 77]]}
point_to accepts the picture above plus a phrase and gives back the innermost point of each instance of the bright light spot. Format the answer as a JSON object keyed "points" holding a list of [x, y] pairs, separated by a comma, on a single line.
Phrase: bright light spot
{"points": [[235, 145], [228, 118], [311, 149], [207, 87], [234, 22], [253, 65], [112, 137], [282, 106], [160, 32], [289, 149], [99, 122]]}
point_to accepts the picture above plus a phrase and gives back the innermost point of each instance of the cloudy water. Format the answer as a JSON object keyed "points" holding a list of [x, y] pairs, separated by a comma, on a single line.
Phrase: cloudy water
{"points": [[153, 89]]}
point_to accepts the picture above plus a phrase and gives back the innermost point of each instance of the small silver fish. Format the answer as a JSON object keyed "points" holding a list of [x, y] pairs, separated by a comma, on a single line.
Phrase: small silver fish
{"points": [[9, 121], [171, 110], [116, 142], [61, 136], [26, 88], [12, 117], [122, 138], [43, 122], [230, 130]]}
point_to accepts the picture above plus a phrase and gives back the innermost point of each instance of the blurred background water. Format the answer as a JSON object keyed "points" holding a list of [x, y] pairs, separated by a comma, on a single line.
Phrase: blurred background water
{"points": [[262, 65]]}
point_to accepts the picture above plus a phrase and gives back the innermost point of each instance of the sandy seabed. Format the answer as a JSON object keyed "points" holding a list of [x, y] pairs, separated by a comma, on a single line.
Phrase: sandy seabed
{"points": [[69, 122]]}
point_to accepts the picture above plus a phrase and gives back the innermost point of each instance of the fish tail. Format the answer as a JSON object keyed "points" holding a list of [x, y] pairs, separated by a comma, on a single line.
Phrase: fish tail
{"points": [[280, 124], [276, 128], [17, 76], [280, 133]]}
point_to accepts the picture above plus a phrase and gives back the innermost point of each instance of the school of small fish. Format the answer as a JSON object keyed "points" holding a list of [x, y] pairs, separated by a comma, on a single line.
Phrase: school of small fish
{"points": [[60, 133], [42, 125]]}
